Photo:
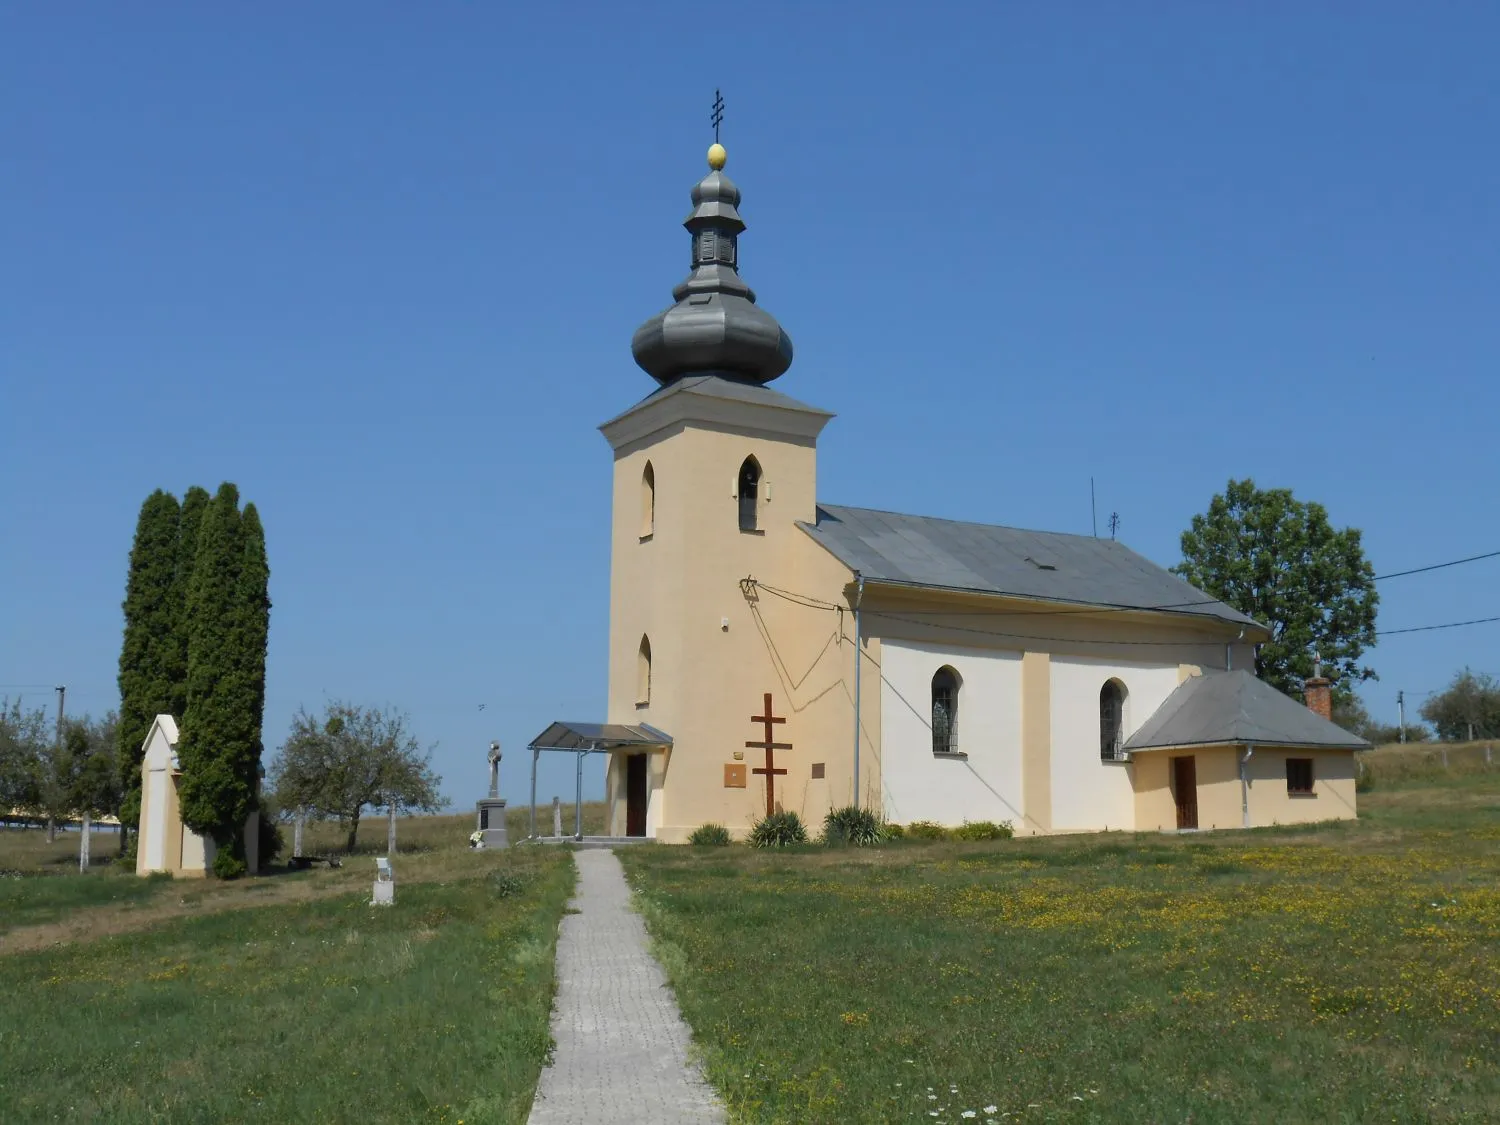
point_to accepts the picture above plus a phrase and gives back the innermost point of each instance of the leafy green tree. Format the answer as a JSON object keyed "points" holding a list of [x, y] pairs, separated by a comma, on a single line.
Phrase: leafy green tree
{"points": [[1468, 708], [1280, 561], [195, 502], [253, 597], [150, 674], [24, 739], [88, 774], [218, 749], [350, 759]]}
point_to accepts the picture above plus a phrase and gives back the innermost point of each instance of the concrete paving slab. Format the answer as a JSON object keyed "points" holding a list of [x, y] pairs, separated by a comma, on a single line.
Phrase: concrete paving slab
{"points": [[621, 1042]]}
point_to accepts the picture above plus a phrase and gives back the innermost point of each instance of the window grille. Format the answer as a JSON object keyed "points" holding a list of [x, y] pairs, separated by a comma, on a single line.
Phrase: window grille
{"points": [[945, 712], [1112, 721]]}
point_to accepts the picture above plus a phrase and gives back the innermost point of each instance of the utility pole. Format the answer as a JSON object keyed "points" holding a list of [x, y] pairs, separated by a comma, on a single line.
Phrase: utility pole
{"points": [[1401, 709], [62, 691]]}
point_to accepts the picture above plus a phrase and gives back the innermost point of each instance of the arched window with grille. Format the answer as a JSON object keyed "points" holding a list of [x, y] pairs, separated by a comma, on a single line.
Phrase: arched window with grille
{"points": [[748, 491], [643, 673], [648, 501], [1112, 721], [945, 687]]}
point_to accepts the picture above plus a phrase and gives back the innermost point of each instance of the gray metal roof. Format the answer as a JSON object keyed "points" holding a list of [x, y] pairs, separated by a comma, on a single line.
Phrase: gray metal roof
{"points": [[723, 386], [600, 736], [1219, 708], [923, 552], [715, 324]]}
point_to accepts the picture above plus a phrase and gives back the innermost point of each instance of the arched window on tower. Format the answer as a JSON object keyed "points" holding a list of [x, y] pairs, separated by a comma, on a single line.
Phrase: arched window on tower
{"points": [[1112, 721], [749, 495], [648, 501], [643, 673], [945, 685]]}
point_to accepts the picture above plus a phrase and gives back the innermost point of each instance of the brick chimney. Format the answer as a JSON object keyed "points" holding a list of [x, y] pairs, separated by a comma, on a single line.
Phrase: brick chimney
{"points": [[1316, 692]]}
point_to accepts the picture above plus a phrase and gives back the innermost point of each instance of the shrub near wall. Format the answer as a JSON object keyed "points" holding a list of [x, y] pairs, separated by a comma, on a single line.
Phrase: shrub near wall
{"points": [[710, 836], [779, 830]]}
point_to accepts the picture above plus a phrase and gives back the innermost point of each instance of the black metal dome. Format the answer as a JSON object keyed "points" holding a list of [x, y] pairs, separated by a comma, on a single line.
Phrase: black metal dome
{"points": [[715, 326]]}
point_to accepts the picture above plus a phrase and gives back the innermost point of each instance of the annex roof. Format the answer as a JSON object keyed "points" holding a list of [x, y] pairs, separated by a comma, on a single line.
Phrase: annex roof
{"points": [[924, 552], [600, 736], [1235, 708]]}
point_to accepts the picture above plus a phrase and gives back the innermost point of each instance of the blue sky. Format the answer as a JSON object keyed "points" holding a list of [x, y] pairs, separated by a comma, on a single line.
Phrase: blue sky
{"points": [[380, 264]]}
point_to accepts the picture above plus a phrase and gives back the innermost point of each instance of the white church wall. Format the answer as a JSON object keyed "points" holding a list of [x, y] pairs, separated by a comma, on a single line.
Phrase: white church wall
{"points": [[917, 785], [1088, 793]]}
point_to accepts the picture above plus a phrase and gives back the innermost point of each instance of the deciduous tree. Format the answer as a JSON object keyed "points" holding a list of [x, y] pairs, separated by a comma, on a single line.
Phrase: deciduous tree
{"points": [[1282, 562], [1468, 708], [24, 738], [350, 759]]}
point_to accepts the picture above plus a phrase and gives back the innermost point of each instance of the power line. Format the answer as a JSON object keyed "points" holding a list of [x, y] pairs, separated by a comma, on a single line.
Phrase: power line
{"points": [[1436, 566], [1430, 628]]}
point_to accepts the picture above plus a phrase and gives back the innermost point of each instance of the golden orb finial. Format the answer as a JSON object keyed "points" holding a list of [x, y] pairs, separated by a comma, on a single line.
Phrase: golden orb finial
{"points": [[717, 156]]}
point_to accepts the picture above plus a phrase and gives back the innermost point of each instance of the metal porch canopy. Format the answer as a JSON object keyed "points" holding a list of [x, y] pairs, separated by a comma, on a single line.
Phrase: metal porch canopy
{"points": [[583, 739]]}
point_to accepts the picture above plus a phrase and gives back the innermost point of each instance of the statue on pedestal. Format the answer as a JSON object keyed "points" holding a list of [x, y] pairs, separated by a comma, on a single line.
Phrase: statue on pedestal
{"points": [[490, 831]]}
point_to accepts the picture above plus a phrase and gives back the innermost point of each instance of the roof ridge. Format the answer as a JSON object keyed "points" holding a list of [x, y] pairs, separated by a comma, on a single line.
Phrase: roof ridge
{"points": [[977, 523]]}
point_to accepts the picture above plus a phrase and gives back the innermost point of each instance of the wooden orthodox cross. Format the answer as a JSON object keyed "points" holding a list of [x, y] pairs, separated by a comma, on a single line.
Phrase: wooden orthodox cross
{"points": [[770, 746]]}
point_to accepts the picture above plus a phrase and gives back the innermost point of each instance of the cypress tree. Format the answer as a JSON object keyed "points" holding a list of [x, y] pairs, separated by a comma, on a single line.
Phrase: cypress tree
{"points": [[194, 504], [254, 599], [149, 677], [217, 737]]}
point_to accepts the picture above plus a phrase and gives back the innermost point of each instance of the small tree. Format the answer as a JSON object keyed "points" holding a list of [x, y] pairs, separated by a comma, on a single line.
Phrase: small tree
{"points": [[1468, 708], [91, 776], [1281, 561], [350, 759], [24, 739]]}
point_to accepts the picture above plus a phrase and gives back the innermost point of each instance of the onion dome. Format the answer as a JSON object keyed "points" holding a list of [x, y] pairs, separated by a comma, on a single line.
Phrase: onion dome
{"points": [[715, 327]]}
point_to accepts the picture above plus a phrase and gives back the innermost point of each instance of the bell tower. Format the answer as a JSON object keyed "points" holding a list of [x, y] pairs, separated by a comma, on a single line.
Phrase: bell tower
{"points": [[713, 471]]}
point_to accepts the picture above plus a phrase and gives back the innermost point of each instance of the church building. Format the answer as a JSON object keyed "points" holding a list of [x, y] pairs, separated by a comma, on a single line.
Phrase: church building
{"points": [[924, 668]]}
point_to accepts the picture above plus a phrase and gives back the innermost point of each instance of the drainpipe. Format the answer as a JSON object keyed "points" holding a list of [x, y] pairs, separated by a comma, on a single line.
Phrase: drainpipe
{"points": [[1245, 784], [1229, 650], [859, 596]]}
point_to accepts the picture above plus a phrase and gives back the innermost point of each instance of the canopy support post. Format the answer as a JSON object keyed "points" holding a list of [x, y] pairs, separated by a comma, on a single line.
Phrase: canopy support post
{"points": [[535, 754], [578, 797]]}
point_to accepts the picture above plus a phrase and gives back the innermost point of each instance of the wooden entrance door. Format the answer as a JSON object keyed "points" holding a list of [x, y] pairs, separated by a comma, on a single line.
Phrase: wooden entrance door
{"points": [[635, 795], [1185, 791]]}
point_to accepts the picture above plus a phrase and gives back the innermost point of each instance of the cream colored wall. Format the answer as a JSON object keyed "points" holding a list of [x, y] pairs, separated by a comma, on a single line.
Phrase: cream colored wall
{"points": [[1154, 808], [1221, 797], [1036, 744], [682, 585], [985, 784], [1333, 796]]}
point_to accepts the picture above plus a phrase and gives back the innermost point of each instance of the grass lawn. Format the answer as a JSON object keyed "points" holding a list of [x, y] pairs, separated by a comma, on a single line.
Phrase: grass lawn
{"points": [[284, 998], [1343, 973]]}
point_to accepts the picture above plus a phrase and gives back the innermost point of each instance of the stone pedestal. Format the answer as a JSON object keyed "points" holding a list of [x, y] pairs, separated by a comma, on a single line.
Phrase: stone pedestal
{"points": [[491, 816]]}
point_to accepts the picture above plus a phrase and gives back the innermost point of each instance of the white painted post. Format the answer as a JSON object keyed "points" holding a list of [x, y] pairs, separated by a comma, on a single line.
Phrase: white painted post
{"points": [[297, 833], [557, 816], [1487, 759], [1445, 757], [83, 844], [390, 829]]}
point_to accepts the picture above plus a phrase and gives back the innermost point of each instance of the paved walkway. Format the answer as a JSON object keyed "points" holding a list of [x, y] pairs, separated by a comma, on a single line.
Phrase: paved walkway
{"points": [[621, 1042]]}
